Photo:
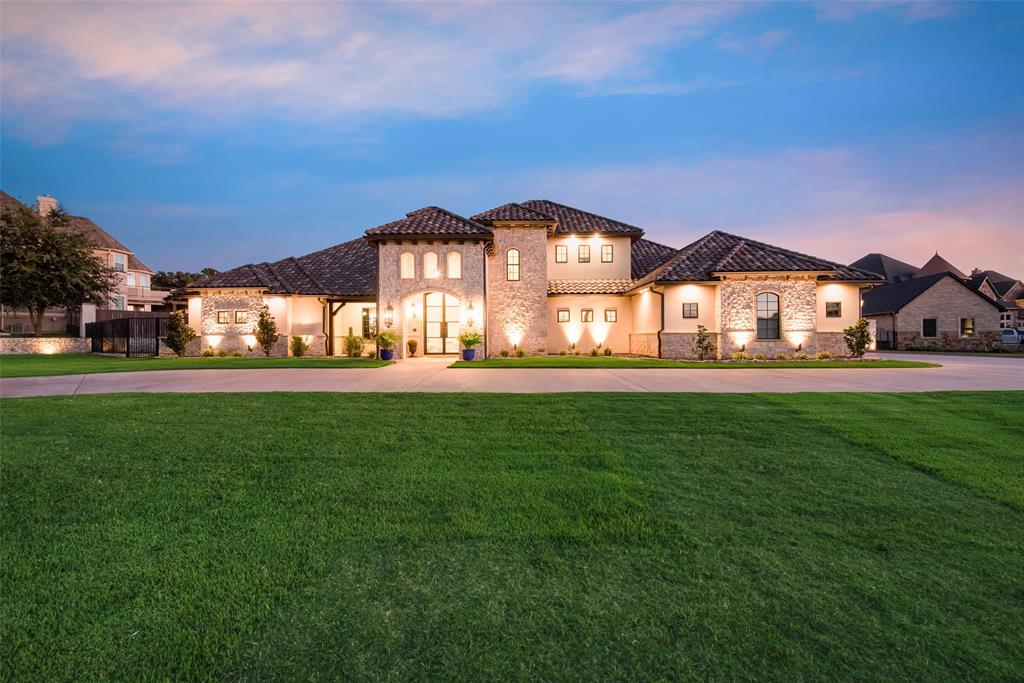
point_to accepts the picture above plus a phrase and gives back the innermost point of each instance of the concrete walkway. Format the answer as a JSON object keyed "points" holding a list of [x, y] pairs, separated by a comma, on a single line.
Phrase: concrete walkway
{"points": [[959, 373]]}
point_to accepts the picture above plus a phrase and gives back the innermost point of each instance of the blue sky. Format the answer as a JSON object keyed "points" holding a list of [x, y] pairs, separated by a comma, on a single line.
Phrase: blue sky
{"points": [[219, 134]]}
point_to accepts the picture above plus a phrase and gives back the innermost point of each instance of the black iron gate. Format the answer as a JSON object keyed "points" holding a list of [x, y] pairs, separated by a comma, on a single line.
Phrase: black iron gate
{"points": [[134, 337]]}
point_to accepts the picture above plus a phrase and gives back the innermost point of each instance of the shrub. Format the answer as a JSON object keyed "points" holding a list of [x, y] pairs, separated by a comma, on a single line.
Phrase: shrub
{"points": [[354, 345], [593, 352], [299, 347], [741, 355], [607, 351], [504, 353], [266, 331], [386, 340], [221, 353], [782, 356], [208, 352], [824, 355], [562, 352], [702, 344], [857, 338], [576, 352], [520, 353], [760, 356], [179, 334], [801, 356]]}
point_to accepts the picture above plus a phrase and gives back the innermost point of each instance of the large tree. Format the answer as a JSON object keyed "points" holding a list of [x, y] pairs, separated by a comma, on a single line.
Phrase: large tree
{"points": [[43, 265], [173, 279]]}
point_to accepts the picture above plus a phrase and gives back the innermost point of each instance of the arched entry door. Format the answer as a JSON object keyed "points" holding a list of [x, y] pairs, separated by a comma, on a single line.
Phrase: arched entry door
{"points": [[441, 318]]}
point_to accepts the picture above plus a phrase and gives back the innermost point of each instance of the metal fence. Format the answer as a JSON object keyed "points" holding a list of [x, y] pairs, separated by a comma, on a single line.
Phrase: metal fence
{"points": [[134, 337]]}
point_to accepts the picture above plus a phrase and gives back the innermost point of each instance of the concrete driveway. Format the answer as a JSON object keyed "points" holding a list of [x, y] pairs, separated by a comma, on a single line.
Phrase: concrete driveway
{"points": [[959, 373]]}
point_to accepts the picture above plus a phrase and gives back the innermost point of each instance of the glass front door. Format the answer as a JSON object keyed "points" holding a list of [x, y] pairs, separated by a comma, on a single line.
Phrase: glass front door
{"points": [[441, 329]]}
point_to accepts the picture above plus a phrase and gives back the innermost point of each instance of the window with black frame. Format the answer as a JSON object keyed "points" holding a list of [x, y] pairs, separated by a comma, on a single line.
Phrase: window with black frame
{"points": [[767, 315], [369, 323], [512, 265], [689, 310]]}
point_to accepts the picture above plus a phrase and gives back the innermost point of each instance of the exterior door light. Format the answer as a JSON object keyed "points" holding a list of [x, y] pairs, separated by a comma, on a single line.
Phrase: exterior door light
{"points": [[389, 316]]}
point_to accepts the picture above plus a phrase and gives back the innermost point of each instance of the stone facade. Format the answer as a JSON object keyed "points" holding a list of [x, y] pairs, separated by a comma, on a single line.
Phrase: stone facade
{"points": [[947, 302], [232, 336], [679, 345], [644, 344], [405, 295], [45, 345], [517, 311], [797, 311]]}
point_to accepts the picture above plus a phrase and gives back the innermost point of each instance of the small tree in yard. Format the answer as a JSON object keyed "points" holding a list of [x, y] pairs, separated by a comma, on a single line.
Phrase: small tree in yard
{"points": [[702, 344], [857, 338], [266, 331], [179, 333], [42, 264]]}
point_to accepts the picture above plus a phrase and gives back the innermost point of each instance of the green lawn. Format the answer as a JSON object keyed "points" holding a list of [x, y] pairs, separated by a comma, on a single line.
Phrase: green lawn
{"points": [[620, 362], [32, 365], [536, 537]]}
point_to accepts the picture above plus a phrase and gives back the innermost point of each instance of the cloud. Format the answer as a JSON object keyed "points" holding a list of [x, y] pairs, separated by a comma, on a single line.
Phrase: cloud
{"points": [[766, 41], [909, 10], [322, 61]]}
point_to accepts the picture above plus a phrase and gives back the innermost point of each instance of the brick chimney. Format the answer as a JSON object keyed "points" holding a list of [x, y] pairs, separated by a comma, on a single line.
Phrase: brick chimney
{"points": [[45, 204]]}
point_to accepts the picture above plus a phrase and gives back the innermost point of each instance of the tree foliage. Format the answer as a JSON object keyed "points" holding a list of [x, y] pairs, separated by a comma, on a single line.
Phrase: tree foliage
{"points": [[857, 338], [179, 333], [266, 331], [175, 279], [44, 265]]}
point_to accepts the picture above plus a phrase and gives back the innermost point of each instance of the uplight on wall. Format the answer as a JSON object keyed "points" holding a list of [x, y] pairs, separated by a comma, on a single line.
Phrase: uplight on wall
{"points": [[389, 316]]}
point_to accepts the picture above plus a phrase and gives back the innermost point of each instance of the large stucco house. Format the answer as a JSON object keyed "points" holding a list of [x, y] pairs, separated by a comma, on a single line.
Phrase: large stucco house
{"points": [[542, 277], [133, 289]]}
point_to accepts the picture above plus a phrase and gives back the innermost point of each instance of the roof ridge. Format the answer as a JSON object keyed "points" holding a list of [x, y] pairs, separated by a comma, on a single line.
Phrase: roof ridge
{"points": [[305, 272], [732, 252], [589, 213]]}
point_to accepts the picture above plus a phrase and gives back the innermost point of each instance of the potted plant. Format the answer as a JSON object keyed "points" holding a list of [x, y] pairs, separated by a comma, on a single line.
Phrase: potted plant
{"points": [[468, 341], [386, 344], [412, 345]]}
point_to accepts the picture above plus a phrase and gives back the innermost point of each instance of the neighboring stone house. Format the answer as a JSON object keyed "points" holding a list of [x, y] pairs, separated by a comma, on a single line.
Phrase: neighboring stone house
{"points": [[938, 305], [537, 277], [133, 292]]}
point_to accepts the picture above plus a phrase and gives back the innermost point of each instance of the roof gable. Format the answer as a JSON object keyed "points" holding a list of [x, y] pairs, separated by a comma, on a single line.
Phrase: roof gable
{"points": [[936, 265], [576, 221], [646, 255], [892, 298], [428, 221], [893, 270]]}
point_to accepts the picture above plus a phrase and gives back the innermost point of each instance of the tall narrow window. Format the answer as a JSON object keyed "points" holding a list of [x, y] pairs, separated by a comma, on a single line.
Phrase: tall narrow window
{"points": [[430, 270], [767, 315], [512, 265], [119, 262], [454, 265], [607, 252], [583, 254], [966, 327], [561, 253], [131, 279], [408, 266], [369, 323]]}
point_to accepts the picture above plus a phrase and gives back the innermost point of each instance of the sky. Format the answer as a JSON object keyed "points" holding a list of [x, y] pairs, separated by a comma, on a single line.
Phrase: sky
{"points": [[218, 134]]}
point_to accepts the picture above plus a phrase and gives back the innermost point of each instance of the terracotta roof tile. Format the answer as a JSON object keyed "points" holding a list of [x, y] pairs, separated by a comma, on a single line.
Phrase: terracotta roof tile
{"points": [[511, 212], [576, 221], [588, 286], [431, 220], [646, 255]]}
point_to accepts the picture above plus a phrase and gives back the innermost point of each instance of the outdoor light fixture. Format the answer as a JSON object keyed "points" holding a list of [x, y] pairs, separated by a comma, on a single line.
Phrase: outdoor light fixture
{"points": [[469, 318], [743, 348], [800, 346], [389, 316]]}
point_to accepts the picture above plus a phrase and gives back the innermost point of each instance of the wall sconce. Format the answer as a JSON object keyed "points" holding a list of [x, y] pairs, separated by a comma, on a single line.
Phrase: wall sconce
{"points": [[389, 316], [800, 346], [743, 347], [469, 319]]}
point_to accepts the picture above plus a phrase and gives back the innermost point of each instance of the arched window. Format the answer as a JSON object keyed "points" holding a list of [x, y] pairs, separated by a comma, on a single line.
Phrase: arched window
{"points": [[408, 266], [454, 265], [430, 270], [767, 315], [512, 265]]}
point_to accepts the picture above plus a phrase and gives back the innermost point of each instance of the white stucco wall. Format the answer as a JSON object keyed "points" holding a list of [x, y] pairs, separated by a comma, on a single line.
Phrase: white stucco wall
{"points": [[618, 269], [587, 336], [646, 311], [846, 294], [706, 298]]}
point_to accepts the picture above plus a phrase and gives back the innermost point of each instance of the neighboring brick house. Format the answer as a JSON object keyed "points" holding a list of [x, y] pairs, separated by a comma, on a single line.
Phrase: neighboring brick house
{"points": [[540, 277], [133, 292], [1010, 293], [938, 306]]}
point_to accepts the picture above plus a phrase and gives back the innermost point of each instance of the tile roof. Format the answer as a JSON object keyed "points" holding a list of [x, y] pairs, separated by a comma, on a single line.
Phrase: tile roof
{"points": [[430, 220], [893, 297], [511, 212], [344, 270], [588, 286], [646, 255], [721, 252], [136, 264], [577, 221], [891, 269]]}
